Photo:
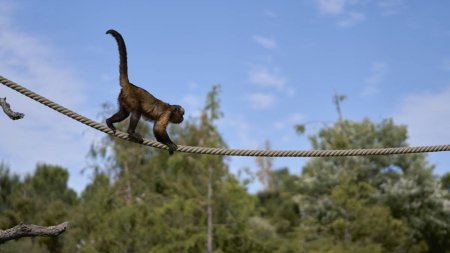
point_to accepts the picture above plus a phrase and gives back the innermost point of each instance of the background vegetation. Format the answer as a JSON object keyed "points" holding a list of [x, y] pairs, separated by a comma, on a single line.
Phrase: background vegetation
{"points": [[143, 200]]}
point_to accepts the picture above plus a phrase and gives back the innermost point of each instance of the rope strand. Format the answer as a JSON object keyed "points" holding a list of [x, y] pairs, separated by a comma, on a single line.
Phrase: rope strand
{"points": [[223, 151]]}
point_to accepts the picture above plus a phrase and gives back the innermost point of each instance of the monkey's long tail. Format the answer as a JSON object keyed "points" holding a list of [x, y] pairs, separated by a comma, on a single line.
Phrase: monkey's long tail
{"points": [[123, 66]]}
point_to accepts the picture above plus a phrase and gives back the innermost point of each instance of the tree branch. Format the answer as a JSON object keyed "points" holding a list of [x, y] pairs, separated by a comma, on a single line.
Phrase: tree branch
{"points": [[30, 230], [8, 111]]}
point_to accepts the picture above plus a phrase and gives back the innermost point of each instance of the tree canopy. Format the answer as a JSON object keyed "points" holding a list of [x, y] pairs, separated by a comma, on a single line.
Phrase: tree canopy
{"points": [[142, 200]]}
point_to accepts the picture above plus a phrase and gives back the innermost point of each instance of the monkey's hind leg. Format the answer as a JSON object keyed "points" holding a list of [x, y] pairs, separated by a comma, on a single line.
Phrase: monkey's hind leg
{"points": [[117, 117], [134, 120]]}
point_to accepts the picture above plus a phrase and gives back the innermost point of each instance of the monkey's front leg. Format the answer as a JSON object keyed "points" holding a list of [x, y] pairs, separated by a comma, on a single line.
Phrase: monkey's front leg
{"points": [[159, 130], [134, 120]]}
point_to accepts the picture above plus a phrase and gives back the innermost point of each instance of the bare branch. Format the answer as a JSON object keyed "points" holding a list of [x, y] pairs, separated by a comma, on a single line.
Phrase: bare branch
{"points": [[30, 230], [8, 111]]}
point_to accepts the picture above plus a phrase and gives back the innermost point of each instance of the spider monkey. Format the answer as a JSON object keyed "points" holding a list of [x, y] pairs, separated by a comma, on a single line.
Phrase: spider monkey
{"points": [[139, 102]]}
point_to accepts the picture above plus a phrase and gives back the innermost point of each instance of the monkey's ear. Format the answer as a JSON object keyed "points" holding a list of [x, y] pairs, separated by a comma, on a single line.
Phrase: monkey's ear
{"points": [[177, 109]]}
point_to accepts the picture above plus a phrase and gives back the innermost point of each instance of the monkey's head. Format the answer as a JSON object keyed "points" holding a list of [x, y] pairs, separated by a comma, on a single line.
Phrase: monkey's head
{"points": [[177, 113]]}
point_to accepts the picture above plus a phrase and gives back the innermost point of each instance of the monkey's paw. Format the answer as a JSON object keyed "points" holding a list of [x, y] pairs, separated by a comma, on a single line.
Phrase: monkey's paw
{"points": [[111, 126], [136, 137], [172, 148]]}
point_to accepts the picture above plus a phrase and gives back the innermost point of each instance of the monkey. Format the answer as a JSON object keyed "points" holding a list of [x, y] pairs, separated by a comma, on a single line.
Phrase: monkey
{"points": [[138, 102]]}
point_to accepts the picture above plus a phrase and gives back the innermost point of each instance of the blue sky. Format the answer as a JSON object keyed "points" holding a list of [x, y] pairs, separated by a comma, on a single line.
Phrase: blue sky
{"points": [[278, 65]]}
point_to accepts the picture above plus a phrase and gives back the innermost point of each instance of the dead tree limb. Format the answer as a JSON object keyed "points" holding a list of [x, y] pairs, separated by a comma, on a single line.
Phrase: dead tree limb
{"points": [[30, 230], [8, 111]]}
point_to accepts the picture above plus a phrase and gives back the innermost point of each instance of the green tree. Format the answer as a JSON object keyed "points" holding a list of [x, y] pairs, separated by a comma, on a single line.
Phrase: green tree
{"points": [[445, 181], [278, 204], [42, 198], [8, 184], [143, 200], [403, 184], [353, 221]]}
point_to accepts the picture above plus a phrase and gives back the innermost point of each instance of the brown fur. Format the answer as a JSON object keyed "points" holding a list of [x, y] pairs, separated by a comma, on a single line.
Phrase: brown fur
{"points": [[139, 102]]}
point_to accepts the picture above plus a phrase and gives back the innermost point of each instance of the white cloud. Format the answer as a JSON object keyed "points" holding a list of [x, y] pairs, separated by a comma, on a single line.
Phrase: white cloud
{"points": [[331, 7], [192, 101], [377, 72], [43, 135], [351, 19], [343, 11], [427, 116], [193, 85], [391, 7], [289, 121], [295, 118], [242, 129], [270, 78], [347, 13], [261, 101], [279, 125], [105, 77], [336, 7], [267, 78], [192, 104], [268, 43]]}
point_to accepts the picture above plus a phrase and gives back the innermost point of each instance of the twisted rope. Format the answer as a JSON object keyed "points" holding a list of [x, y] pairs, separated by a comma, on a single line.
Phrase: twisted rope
{"points": [[222, 151]]}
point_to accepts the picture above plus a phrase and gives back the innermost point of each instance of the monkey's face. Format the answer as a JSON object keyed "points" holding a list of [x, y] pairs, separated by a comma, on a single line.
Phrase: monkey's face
{"points": [[177, 114]]}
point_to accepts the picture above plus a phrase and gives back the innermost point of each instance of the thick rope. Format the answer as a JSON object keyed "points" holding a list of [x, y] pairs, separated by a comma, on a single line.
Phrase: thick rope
{"points": [[223, 151]]}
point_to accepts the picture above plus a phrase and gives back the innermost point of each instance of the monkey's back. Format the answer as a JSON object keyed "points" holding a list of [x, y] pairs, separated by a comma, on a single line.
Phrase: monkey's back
{"points": [[136, 99]]}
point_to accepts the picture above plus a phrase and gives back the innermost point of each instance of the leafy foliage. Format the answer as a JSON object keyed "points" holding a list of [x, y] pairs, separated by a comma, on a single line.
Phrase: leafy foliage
{"points": [[143, 200], [395, 199]]}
